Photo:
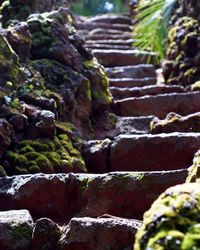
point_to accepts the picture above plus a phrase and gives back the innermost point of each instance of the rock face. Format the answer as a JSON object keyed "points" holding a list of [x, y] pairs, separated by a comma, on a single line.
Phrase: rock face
{"points": [[46, 235], [182, 66], [48, 81], [16, 230], [193, 171], [20, 10], [5, 135], [60, 197], [163, 223], [10, 71], [101, 233]]}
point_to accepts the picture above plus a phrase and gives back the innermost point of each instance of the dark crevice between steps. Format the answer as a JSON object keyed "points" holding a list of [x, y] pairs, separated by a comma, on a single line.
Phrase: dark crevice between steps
{"points": [[108, 158]]}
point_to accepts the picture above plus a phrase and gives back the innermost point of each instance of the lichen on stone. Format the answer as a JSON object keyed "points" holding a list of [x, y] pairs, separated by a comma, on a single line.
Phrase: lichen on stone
{"points": [[194, 170], [171, 220]]}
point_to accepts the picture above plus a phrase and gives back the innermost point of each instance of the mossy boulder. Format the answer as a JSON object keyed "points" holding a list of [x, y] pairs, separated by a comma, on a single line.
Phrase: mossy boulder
{"points": [[182, 65], [172, 221], [21, 9], [194, 170], [43, 155], [101, 96], [19, 38], [70, 90], [51, 38], [9, 65]]}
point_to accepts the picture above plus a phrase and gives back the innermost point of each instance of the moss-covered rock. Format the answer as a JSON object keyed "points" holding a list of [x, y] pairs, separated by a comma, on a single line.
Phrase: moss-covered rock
{"points": [[194, 170], [172, 221], [47, 156], [20, 10], [101, 97], [182, 54], [9, 65], [51, 88], [176, 123]]}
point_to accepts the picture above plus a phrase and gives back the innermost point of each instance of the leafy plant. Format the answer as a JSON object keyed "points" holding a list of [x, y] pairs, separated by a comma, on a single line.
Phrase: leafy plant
{"points": [[150, 31]]}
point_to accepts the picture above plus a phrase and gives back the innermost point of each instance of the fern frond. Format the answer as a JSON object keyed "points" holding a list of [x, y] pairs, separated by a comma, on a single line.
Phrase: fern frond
{"points": [[150, 31]]}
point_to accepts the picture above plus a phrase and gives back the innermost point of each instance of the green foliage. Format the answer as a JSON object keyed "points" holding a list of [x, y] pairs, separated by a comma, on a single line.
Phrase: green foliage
{"points": [[92, 7], [151, 29]]}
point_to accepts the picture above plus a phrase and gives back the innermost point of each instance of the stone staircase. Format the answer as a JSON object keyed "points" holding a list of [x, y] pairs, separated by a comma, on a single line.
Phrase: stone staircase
{"points": [[129, 166], [138, 99]]}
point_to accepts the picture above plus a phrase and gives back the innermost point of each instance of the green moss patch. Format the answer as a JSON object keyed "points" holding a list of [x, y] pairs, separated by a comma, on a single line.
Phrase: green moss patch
{"points": [[46, 156]]}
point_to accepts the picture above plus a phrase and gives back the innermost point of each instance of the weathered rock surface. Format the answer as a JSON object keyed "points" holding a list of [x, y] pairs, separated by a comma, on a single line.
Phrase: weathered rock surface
{"points": [[114, 19], [96, 154], [175, 122], [194, 170], [125, 92], [60, 81], [15, 230], [133, 125], [46, 235], [137, 71], [127, 126], [111, 58], [182, 66], [10, 68], [101, 233], [5, 135], [19, 38], [111, 42], [160, 105], [153, 152], [172, 221], [61, 197], [132, 82], [90, 25], [105, 37]]}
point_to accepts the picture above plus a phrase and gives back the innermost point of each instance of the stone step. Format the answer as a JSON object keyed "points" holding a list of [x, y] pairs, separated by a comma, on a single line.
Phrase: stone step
{"points": [[60, 197], [153, 152], [112, 58], [110, 18], [125, 125], [132, 71], [101, 31], [160, 105], [134, 125], [99, 233], [107, 46], [94, 25], [132, 82], [128, 42], [106, 36], [18, 231], [122, 93], [176, 123]]}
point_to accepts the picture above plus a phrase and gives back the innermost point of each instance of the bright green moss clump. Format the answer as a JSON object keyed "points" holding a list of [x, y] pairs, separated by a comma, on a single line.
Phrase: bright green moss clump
{"points": [[101, 96], [172, 223], [46, 156]]}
